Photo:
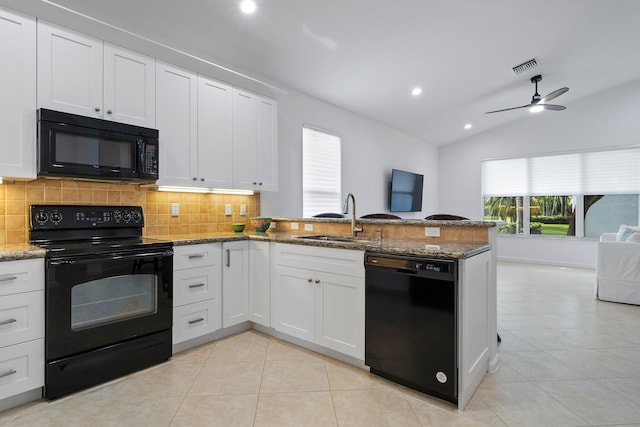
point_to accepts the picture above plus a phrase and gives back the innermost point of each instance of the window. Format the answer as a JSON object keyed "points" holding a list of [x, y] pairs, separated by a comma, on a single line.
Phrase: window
{"points": [[575, 194], [321, 172]]}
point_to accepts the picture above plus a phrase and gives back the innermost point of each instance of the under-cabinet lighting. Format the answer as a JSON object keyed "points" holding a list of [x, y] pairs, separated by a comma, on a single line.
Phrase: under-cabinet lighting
{"points": [[205, 190]]}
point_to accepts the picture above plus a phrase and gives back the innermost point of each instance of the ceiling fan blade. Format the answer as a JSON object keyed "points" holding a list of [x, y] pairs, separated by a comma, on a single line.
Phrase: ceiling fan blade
{"points": [[507, 109], [553, 107], [554, 94]]}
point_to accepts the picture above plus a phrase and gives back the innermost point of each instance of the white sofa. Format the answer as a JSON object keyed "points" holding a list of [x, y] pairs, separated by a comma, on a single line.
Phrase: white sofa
{"points": [[618, 270]]}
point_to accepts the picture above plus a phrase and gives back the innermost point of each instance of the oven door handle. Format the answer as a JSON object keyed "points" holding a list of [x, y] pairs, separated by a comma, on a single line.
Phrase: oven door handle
{"points": [[143, 255], [117, 256]]}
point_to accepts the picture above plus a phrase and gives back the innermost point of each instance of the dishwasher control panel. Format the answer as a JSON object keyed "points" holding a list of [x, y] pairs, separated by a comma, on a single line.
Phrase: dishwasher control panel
{"points": [[412, 265]]}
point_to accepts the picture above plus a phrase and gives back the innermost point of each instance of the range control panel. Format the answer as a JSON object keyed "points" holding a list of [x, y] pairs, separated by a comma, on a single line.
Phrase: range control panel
{"points": [[77, 217]]}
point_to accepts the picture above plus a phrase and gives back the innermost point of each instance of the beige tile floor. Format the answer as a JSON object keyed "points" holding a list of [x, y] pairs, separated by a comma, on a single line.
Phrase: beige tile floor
{"points": [[568, 360]]}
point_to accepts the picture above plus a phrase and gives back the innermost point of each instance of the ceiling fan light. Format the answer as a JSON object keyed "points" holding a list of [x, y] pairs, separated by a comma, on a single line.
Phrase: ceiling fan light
{"points": [[536, 108]]}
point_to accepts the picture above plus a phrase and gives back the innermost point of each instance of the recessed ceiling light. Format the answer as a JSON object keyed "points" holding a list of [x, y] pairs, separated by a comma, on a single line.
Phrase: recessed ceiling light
{"points": [[468, 126], [416, 91], [248, 6]]}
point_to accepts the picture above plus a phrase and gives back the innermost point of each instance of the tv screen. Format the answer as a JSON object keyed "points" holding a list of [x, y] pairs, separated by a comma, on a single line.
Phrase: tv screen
{"points": [[406, 191]]}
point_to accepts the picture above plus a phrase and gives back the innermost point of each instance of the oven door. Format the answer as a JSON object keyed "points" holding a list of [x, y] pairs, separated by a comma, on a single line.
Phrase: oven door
{"points": [[102, 299]]}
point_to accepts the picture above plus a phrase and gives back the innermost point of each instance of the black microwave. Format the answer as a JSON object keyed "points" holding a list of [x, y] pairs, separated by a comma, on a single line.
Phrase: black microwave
{"points": [[84, 147]]}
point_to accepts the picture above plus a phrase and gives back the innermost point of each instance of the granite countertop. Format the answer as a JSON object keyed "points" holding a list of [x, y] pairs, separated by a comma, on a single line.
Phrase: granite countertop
{"points": [[21, 251], [417, 247]]}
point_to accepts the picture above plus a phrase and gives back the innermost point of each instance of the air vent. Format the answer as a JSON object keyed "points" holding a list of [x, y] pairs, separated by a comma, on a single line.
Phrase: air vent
{"points": [[532, 63]]}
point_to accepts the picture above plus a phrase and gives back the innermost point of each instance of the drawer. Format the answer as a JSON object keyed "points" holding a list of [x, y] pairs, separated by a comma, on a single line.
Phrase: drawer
{"points": [[197, 319], [21, 368], [21, 276], [21, 317], [196, 255], [196, 284]]}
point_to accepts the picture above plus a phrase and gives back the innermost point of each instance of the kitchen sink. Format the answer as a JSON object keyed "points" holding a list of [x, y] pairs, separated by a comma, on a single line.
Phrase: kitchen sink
{"points": [[341, 239]]}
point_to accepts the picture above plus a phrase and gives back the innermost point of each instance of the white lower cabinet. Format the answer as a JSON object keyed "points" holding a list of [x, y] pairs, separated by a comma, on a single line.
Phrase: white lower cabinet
{"points": [[318, 296], [235, 283], [196, 291], [21, 326], [260, 282]]}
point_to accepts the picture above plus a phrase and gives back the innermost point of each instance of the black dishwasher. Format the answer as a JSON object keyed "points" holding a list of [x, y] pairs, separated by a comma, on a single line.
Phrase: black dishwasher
{"points": [[411, 322]]}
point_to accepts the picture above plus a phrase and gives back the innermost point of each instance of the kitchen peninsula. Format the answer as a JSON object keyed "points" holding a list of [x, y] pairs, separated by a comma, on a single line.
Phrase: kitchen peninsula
{"points": [[291, 255]]}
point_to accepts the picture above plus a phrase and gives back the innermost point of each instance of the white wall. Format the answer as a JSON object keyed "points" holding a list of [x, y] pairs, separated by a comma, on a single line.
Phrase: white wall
{"points": [[607, 120], [369, 151]]}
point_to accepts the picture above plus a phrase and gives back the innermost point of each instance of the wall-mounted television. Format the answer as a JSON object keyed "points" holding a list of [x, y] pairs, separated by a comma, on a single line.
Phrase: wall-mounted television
{"points": [[405, 194]]}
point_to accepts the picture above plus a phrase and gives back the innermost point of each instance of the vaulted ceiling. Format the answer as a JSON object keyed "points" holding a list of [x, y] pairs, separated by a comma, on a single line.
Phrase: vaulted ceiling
{"points": [[367, 55]]}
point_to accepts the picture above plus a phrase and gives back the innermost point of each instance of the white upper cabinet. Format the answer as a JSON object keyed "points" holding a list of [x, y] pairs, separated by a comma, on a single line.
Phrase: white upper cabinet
{"points": [[129, 87], [177, 105], [215, 142], [254, 142], [18, 95], [82, 75]]}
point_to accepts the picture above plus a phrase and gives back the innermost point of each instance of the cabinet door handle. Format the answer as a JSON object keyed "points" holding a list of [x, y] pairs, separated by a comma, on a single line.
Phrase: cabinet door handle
{"points": [[7, 278], [201, 319], [7, 322], [6, 374], [196, 256], [228, 258], [196, 285]]}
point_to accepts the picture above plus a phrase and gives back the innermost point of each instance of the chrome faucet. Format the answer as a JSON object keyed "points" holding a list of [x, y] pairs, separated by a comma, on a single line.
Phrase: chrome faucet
{"points": [[345, 209]]}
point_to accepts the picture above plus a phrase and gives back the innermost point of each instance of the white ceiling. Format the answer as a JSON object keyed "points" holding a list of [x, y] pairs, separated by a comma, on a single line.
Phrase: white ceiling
{"points": [[367, 55]]}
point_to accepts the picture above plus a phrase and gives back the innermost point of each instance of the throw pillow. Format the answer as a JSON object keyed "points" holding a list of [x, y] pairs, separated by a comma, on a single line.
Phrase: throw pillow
{"points": [[634, 237], [625, 231]]}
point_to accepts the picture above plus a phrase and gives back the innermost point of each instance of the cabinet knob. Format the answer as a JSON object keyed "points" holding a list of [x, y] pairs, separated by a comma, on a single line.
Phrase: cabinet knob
{"points": [[309, 280], [254, 183], [317, 281], [109, 112], [195, 178], [202, 179], [97, 109], [259, 183]]}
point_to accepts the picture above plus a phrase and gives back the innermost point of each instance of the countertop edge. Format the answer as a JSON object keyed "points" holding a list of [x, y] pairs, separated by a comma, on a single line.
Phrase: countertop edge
{"points": [[19, 252]]}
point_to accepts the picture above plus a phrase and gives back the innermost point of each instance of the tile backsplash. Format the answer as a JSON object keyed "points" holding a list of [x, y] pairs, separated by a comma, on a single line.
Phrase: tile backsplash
{"points": [[199, 213]]}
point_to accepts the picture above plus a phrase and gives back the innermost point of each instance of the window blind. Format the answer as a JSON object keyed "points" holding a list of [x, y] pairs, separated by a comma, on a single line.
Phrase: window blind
{"points": [[321, 172], [598, 172]]}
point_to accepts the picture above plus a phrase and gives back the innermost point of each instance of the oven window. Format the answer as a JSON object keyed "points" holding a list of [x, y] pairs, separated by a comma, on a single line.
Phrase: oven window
{"points": [[93, 151], [113, 299]]}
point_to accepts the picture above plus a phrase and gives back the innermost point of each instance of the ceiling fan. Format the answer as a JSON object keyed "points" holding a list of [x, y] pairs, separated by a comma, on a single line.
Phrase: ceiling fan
{"points": [[539, 103]]}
